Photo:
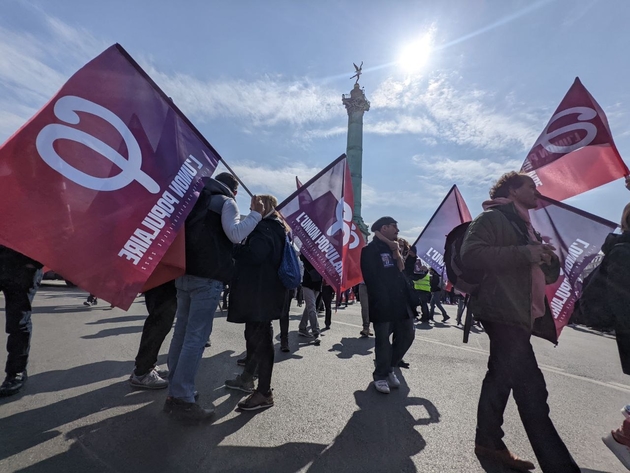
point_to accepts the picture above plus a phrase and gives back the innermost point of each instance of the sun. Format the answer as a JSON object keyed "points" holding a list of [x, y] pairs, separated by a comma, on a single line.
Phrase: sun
{"points": [[414, 56]]}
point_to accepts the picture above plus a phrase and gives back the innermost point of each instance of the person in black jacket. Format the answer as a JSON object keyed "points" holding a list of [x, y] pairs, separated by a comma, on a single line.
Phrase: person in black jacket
{"points": [[257, 297], [616, 265], [388, 295], [436, 295], [212, 228], [19, 280]]}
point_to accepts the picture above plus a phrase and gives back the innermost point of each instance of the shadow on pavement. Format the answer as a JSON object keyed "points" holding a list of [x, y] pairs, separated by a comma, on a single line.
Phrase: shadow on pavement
{"points": [[111, 332], [381, 435], [118, 320], [348, 347], [135, 436]]}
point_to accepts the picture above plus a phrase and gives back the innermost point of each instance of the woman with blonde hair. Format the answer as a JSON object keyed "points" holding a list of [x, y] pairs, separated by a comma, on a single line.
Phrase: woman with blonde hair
{"points": [[257, 296]]}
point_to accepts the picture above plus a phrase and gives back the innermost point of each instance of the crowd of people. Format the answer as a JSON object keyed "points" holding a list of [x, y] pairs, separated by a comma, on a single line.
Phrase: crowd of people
{"points": [[222, 248]]}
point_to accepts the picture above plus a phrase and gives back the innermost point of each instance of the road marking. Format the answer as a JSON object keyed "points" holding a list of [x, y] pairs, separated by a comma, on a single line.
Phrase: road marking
{"points": [[552, 369]]}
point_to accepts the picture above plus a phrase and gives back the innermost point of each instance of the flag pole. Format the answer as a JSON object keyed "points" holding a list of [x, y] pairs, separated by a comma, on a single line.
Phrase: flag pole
{"points": [[237, 178]]}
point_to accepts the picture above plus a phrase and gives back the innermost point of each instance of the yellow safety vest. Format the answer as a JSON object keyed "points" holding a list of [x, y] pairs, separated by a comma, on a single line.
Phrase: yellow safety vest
{"points": [[423, 284]]}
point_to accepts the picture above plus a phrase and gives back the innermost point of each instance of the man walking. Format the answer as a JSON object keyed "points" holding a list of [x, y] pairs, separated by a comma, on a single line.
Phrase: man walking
{"points": [[19, 280], [436, 295], [388, 301], [510, 303], [212, 228], [311, 287]]}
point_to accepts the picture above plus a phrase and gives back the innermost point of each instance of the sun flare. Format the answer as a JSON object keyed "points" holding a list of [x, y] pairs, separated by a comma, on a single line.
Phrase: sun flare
{"points": [[414, 56]]}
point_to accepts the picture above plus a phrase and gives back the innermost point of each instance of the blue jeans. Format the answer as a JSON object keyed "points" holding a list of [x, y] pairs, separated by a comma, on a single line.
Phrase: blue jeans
{"points": [[197, 301]]}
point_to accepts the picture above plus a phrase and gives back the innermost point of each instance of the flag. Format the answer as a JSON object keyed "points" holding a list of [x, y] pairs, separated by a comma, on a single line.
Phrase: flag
{"points": [[578, 237], [320, 216], [298, 183], [575, 152], [452, 212], [98, 183]]}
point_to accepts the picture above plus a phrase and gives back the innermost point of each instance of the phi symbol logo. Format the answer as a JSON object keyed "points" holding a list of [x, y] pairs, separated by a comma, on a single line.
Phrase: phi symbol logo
{"points": [[584, 113], [343, 222], [65, 110]]}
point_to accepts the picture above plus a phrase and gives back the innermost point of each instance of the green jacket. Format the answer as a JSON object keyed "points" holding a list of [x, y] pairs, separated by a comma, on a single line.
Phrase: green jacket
{"points": [[496, 244]]}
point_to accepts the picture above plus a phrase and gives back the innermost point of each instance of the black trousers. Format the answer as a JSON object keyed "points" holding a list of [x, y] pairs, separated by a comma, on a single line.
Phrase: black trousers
{"points": [[260, 353], [19, 289], [389, 353], [512, 367], [284, 318], [327, 296], [161, 302]]}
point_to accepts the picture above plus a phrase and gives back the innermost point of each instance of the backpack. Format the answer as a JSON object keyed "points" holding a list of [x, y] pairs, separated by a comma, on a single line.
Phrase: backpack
{"points": [[464, 280], [290, 271]]}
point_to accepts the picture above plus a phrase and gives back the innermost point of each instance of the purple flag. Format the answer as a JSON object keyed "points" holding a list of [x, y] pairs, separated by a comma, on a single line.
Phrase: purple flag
{"points": [[320, 216], [451, 213], [578, 237]]}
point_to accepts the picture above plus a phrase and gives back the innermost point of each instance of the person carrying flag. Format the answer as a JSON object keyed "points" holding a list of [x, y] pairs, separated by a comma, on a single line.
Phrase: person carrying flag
{"points": [[510, 302]]}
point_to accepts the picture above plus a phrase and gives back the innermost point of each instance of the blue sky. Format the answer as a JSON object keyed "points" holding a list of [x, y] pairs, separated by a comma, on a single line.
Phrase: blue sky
{"points": [[263, 82]]}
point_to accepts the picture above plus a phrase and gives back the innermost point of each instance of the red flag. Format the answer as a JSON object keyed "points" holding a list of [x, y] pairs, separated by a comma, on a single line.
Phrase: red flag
{"points": [[320, 215], [575, 152], [452, 212], [98, 183], [578, 237]]}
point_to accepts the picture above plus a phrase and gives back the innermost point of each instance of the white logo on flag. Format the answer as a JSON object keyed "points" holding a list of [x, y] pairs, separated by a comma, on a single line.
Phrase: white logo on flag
{"points": [[343, 215], [65, 110], [584, 113]]}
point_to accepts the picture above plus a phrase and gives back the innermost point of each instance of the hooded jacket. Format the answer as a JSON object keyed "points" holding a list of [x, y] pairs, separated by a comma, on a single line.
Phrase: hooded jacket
{"points": [[616, 262], [496, 243]]}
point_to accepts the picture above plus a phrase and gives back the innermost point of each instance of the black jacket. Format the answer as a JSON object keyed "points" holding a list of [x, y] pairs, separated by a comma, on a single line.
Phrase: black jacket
{"points": [[388, 289], [311, 279], [208, 249], [256, 292], [617, 264], [435, 282]]}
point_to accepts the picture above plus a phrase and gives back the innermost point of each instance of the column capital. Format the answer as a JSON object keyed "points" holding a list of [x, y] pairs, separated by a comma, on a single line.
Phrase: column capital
{"points": [[356, 101]]}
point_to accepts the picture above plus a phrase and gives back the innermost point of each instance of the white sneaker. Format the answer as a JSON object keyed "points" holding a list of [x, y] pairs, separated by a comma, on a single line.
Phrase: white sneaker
{"points": [[381, 386], [621, 451], [392, 380]]}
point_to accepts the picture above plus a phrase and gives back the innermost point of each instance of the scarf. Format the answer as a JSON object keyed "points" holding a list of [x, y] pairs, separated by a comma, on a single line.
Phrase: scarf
{"points": [[395, 247]]}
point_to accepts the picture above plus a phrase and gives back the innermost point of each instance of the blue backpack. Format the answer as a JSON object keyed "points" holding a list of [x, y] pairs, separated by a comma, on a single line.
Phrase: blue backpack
{"points": [[289, 271]]}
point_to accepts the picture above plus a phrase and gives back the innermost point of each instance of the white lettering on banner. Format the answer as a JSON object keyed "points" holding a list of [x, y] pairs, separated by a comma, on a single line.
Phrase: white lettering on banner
{"points": [[575, 250], [320, 240], [142, 238], [435, 256], [570, 143], [534, 177], [66, 110], [565, 292], [343, 214]]}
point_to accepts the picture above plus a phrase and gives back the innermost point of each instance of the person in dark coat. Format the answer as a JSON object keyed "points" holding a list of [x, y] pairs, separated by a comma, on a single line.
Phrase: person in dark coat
{"points": [[257, 296], [388, 299], [616, 263]]}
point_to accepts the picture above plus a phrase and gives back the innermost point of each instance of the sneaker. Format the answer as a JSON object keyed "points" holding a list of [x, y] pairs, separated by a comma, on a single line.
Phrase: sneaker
{"points": [[392, 380], [255, 401], [504, 457], [364, 333], [621, 451], [187, 411], [315, 333], [381, 386], [94, 301], [242, 361], [151, 380], [403, 364], [13, 383], [304, 333], [445, 318], [284, 346], [86, 303], [240, 383], [626, 411]]}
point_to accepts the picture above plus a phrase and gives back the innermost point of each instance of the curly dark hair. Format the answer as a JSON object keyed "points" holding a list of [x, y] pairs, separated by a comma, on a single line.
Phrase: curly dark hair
{"points": [[509, 180]]}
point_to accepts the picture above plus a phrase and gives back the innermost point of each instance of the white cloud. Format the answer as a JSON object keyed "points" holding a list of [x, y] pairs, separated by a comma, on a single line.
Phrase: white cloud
{"points": [[439, 109], [464, 171]]}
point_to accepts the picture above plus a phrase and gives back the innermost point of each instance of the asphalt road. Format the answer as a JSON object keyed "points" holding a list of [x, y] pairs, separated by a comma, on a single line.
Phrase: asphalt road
{"points": [[78, 413]]}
